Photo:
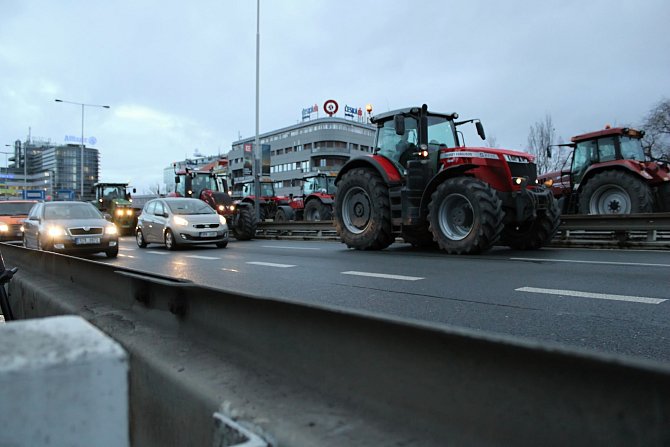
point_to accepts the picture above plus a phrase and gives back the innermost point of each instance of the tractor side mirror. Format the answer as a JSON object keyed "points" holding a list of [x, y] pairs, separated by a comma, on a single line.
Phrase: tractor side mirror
{"points": [[399, 124], [480, 130], [176, 179], [134, 190], [548, 151]]}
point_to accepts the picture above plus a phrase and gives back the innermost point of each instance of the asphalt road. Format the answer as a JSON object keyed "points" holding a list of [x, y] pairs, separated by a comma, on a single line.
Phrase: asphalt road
{"points": [[607, 300]]}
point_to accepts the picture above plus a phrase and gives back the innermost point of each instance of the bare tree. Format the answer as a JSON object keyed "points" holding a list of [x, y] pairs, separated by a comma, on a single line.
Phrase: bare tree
{"points": [[656, 140], [541, 136]]}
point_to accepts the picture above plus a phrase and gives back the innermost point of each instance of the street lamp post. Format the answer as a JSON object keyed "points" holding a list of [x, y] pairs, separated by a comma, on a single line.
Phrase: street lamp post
{"points": [[81, 192]]}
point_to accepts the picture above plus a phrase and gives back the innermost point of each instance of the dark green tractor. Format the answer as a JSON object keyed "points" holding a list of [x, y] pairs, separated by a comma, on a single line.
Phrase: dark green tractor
{"points": [[114, 199]]}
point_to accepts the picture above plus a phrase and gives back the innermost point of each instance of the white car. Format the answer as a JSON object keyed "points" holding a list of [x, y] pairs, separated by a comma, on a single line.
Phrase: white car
{"points": [[179, 221]]}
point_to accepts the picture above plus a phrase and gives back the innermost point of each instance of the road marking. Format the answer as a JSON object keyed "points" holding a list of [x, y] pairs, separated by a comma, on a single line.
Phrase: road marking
{"points": [[271, 264], [575, 261], [201, 257], [383, 275], [290, 248], [158, 252], [600, 296], [126, 249]]}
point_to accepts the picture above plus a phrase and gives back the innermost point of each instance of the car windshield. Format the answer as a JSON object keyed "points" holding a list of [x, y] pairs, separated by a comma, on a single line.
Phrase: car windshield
{"points": [[189, 207], [15, 208], [58, 211]]}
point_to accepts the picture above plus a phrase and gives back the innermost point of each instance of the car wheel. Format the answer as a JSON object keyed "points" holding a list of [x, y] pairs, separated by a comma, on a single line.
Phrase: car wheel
{"points": [[42, 246], [112, 252], [25, 241], [170, 241], [139, 238], [222, 244]]}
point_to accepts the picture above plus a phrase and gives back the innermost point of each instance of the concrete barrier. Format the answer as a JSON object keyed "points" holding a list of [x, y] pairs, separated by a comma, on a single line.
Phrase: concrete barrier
{"points": [[304, 375], [62, 383]]}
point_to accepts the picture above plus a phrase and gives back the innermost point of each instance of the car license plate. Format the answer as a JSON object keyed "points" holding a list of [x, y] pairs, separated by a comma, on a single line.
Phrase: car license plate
{"points": [[86, 240], [208, 234]]}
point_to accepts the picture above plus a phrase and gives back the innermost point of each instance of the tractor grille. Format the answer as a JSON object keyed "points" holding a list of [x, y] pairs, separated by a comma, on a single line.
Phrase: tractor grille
{"points": [[206, 226], [85, 231], [528, 170]]}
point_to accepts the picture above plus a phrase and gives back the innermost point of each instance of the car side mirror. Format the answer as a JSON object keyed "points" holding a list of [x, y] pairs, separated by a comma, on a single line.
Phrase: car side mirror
{"points": [[108, 217]]}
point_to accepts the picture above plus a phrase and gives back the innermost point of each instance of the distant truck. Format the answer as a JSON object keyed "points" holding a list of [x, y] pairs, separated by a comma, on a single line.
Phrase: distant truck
{"points": [[609, 174], [114, 199]]}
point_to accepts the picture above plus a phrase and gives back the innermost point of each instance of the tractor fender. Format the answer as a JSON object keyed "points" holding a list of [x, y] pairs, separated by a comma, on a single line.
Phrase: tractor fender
{"points": [[444, 174], [381, 164], [326, 200]]}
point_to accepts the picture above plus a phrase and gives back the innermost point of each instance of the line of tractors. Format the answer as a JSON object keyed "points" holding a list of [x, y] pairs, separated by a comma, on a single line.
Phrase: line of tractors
{"points": [[424, 185]]}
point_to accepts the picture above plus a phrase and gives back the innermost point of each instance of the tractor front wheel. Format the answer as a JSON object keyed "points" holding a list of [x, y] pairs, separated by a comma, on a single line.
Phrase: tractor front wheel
{"points": [[536, 233], [316, 211], [465, 216], [363, 211], [244, 227], [615, 192]]}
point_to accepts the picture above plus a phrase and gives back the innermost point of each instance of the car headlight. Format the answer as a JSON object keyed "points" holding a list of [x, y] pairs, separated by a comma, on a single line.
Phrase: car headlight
{"points": [[180, 221], [111, 229], [4, 228], [56, 231], [222, 219]]}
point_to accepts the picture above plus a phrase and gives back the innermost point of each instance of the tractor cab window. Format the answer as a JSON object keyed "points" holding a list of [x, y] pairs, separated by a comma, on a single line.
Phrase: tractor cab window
{"points": [[267, 189], [113, 192], [321, 184], [440, 133], [583, 157], [606, 151], [631, 149], [180, 188], [202, 182], [398, 147]]}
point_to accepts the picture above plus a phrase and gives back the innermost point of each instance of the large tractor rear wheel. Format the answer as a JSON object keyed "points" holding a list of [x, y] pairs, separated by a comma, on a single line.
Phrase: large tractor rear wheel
{"points": [[465, 216], [536, 233], [244, 227], [615, 192], [363, 211]]}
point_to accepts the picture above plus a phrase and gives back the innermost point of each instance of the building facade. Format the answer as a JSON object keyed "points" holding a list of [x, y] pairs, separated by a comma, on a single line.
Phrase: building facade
{"points": [[53, 169], [322, 144]]}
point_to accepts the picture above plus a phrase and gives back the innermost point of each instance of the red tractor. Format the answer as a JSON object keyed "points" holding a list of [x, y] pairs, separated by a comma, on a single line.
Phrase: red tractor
{"points": [[213, 189], [244, 195], [315, 203], [421, 184], [609, 174]]}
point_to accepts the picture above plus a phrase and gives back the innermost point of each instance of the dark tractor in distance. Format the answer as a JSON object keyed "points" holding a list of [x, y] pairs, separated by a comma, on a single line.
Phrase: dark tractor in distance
{"points": [[213, 190], [314, 204], [114, 199], [422, 185], [609, 174]]}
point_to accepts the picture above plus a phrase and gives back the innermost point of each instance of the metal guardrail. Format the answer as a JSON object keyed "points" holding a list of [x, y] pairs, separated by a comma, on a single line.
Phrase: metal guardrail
{"points": [[305, 375], [633, 230]]}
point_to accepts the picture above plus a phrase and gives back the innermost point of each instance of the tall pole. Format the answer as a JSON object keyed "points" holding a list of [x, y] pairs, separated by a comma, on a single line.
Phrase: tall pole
{"points": [[257, 148], [81, 191]]}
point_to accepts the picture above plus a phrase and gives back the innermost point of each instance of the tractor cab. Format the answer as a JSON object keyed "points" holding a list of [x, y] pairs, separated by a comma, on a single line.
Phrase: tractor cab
{"points": [[243, 190], [416, 134], [319, 184], [189, 183]]}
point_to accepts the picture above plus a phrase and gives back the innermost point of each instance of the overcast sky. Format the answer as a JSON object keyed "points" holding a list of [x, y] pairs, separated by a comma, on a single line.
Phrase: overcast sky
{"points": [[181, 78]]}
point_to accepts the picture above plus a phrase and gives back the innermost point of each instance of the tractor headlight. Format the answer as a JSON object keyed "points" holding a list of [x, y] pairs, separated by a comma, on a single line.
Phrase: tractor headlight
{"points": [[221, 207], [56, 231], [222, 219], [111, 230], [231, 207], [4, 228], [519, 180], [549, 183], [119, 213], [129, 212]]}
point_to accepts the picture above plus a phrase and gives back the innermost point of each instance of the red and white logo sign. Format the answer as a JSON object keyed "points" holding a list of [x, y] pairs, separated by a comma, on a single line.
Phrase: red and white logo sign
{"points": [[330, 107]]}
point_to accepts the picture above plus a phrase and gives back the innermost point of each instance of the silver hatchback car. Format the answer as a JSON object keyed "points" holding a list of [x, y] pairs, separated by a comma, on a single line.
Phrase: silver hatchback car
{"points": [[177, 221]]}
